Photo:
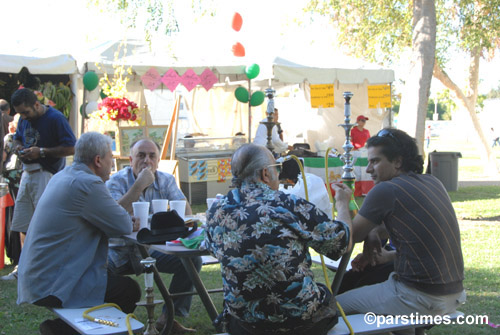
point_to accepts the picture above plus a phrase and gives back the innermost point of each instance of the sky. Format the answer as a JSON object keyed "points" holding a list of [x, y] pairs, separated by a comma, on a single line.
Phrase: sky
{"points": [[269, 27]]}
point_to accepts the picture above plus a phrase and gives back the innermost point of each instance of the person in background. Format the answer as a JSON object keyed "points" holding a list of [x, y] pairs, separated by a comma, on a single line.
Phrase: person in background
{"points": [[428, 134], [42, 141], [261, 237], [277, 138], [415, 212], [359, 135], [63, 263], [12, 170], [495, 137], [6, 117], [141, 181]]}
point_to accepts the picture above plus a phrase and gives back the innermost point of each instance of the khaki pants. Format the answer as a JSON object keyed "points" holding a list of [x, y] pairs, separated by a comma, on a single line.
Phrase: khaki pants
{"points": [[31, 188], [392, 297]]}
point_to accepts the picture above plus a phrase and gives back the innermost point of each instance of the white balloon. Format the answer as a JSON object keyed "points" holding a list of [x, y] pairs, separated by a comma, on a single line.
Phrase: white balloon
{"points": [[94, 94], [91, 107]]}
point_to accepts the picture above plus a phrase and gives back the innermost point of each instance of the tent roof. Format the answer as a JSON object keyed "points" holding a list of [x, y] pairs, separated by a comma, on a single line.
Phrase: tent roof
{"points": [[315, 70], [352, 72], [60, 64]]}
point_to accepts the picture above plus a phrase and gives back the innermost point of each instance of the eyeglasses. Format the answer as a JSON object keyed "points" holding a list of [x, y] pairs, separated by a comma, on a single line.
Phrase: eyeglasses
{"points": [[387, 133], [279, 167]]}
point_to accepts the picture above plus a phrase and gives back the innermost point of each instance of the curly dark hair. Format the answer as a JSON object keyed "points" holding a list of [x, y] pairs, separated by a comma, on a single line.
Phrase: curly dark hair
{"points": [[396, 143]]}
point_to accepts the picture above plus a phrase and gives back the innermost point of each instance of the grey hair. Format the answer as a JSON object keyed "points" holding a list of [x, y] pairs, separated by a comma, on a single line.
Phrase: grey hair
{"points": [[4, 105], [247, 163], [89, 145]]}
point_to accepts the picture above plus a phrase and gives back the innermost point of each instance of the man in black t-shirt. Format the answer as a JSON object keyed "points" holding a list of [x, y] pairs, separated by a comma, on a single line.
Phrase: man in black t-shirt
{"points": [[415, 212]]}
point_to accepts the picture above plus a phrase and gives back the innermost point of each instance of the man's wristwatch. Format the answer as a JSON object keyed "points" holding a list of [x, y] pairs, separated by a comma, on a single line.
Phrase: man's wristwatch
{"points": [[42, 153]]}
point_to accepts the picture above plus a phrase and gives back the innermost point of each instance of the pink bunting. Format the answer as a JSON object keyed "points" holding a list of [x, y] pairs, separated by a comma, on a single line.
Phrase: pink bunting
{"points": [[171, 79], [208, 79], [190, 79], [151, 79]]}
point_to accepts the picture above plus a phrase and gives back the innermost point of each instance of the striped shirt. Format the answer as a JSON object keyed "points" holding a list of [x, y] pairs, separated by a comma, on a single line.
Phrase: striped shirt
{"points": [[421, 222]]}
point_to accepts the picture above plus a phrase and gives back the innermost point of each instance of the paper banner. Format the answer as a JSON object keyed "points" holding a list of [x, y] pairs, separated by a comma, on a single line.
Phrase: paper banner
{"points": [[208, 79], [171, 79], [190, 79], [224, 169], [151, 79], [379, 96], [322, 96]]}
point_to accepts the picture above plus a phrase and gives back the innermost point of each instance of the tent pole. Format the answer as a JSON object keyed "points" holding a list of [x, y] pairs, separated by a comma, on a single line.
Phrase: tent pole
{"points": [[249, 112]]}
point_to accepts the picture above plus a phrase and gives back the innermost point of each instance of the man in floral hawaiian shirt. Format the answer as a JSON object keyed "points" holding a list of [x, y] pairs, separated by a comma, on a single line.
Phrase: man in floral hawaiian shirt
{"points": [[261, 237]]}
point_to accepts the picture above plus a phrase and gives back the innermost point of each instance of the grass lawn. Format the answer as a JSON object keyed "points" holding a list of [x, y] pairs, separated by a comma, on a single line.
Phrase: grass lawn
{"points": [[477, 207]]}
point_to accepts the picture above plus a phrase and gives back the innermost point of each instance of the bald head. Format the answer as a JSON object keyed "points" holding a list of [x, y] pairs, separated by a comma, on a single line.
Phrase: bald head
{"points": [[248, 162], [144, 153]]}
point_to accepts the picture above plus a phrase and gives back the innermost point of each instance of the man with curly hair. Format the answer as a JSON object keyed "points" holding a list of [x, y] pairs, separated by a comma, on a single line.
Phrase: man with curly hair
{"points": [[415, 212]]}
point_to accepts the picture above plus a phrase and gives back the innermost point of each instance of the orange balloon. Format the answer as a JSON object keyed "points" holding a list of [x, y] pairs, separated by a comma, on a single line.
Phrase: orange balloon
{"points": [[238, 50], [237, 21]]}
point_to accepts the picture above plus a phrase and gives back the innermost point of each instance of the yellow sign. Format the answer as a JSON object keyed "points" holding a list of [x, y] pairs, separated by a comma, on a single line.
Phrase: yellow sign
{"points": [[379, 96], [322, 96]]}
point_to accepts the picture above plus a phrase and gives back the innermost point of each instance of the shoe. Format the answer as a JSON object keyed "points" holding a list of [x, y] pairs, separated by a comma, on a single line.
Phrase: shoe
{"points": [[177, 328], [10, 276], [56, 327]]}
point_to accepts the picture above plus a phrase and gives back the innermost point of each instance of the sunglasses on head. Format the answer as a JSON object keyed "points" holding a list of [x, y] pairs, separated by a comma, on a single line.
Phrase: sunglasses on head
{"points": [[387, 133]]}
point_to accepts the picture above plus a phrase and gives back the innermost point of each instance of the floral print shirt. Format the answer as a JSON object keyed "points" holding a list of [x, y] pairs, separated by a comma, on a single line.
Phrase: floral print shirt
{"points": [[261, 237]]}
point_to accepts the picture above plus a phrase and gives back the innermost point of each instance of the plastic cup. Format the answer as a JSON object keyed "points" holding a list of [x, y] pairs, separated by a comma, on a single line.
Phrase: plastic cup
{"points": [[179, 206], [141, 211], [159, 205], [210, 202]]}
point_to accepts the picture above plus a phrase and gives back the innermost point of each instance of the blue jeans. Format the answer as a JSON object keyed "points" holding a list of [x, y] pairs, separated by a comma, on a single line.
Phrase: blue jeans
{"points": [[180, 281]]}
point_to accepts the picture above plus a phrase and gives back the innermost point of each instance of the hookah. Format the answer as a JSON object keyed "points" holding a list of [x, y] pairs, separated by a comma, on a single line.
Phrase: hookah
{"points": [[348, 178], [150, 303], [269, 123]]}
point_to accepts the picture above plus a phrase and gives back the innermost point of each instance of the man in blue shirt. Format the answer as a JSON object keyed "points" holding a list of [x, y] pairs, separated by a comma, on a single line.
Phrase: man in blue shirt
{"points": [[42, 141], [63, 263], [143, 182]]}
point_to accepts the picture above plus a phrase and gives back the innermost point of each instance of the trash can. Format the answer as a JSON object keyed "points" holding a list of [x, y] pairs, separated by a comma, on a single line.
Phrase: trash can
{"points": [[444, 166]]}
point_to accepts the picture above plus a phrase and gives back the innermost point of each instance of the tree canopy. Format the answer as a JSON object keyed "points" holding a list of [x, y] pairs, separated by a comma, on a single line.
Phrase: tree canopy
{"points": [[381, 31]]}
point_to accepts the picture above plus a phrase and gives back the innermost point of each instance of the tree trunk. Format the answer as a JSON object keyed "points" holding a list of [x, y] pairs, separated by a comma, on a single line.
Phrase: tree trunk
{"points": [[469, 103], [415, 95]]}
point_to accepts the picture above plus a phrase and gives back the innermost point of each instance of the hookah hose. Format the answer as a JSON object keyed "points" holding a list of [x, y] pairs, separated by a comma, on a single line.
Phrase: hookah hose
{"points": [[106, 322], [325, 273], [323, 265]]}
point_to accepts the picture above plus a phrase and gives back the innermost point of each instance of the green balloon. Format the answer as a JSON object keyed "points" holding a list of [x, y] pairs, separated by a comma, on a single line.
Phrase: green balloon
{"points": [[257, 98], [90, 80], [103, 95], [241, 94], [252, 71]]}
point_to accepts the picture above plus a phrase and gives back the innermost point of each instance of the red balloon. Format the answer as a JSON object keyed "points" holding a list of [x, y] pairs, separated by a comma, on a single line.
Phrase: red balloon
{"points": [[237, 21], [238, 50]]}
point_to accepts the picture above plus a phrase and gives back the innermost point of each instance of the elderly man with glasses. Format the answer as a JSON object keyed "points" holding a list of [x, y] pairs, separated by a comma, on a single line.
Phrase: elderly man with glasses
{"points": [[415, 212], [261, 237]]}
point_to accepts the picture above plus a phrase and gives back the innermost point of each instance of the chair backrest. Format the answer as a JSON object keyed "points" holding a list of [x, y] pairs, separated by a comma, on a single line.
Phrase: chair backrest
{"points": [[337, 280], [301, 146]]}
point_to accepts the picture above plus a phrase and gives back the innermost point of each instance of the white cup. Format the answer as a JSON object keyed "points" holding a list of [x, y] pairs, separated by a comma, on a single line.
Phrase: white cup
{"points": [[210, 202], [159, 205], [141, 211], [179, 206]]}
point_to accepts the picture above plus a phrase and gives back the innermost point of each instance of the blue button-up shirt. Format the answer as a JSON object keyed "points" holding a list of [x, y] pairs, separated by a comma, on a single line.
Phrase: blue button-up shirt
{"points": [[164, 187]]}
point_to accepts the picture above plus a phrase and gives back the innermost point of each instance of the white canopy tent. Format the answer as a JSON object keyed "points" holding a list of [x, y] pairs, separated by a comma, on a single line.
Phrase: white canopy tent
{"points": [[291, 80], [42, 62]]}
